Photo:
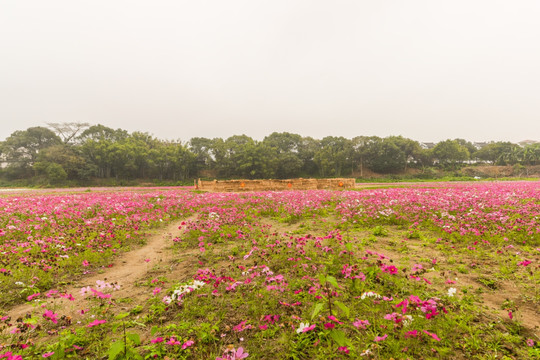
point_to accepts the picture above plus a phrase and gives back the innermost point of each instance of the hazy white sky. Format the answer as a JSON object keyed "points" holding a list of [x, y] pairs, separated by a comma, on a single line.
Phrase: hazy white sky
{"points": [[428, 70]]}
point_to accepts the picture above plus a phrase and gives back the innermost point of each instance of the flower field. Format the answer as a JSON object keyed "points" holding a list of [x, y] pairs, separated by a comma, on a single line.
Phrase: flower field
{"points": [[447, 272]]}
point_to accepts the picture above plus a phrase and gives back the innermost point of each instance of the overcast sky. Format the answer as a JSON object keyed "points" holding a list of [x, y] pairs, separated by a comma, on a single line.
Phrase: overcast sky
{"points": [[428, 70]]}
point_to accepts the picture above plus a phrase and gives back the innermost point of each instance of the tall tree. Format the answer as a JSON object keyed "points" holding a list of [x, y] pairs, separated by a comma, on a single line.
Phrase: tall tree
{"points": [[99, 145], [68, 131], [450, 153], [285, 147], [333, 155], [386, 156], [22, 148]]}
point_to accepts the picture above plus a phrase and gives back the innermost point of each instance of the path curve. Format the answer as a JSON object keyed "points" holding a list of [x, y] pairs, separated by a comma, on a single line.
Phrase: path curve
{"points": [[127, 268]]}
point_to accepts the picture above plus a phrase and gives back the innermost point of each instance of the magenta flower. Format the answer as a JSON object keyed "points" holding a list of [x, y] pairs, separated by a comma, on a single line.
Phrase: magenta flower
{"points": [[380, 338], [67, 296], [432, 335], [30, 297], [96, 323], [51, 316], [309, 328], [413, 333], [173, 341], [46, 355]]}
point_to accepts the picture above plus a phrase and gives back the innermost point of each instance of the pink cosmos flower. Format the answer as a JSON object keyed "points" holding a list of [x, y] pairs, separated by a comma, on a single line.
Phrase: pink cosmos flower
{"points": [[46, 355], [413, 333], [67, 296], [380, 338], [96, 323], [241, 327], [30, 297], [240, 354], [173, 341], [361, 324], [51, 316], [157, 340], [187, 344], [432, 335], [390, 269]]}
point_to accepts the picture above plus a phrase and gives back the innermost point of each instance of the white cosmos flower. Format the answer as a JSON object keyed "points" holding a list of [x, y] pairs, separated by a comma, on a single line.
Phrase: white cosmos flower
{"points": [[370, 294], [302, 327]]}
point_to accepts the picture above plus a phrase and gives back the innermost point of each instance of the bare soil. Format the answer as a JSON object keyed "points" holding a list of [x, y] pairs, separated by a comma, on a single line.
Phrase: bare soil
{"points": [[128, 268]]}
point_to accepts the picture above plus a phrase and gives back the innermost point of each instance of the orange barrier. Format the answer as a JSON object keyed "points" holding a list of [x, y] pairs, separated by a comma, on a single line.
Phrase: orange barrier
{"points": [[270, 184]]}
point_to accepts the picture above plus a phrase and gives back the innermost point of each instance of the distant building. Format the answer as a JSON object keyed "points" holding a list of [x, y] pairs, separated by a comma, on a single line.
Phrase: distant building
{"points": [[527, 142], [479, 145], [427, 145]]}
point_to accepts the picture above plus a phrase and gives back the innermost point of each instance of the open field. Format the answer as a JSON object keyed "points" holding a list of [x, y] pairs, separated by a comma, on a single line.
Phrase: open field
{"points": [[436, 271]]}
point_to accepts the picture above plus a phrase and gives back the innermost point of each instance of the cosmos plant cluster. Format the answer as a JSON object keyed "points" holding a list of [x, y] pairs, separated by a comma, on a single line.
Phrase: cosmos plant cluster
{"points": [[323, 290]]}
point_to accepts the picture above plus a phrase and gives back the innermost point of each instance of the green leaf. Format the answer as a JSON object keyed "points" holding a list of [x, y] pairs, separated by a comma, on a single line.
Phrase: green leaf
{"points": [[154, 330], [135, 338], [115, 349], [316, 310], [338, 336], [332, 280], [322, 279], [31, 320], [348, 246], [343, 308], [121, 316]]}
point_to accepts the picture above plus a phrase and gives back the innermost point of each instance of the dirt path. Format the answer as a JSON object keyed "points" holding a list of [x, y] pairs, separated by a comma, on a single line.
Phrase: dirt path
{"points": [[127, 269]]}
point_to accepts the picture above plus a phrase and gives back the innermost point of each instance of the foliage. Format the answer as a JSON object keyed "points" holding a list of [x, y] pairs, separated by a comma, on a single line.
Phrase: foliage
{"points": [[95, 153]]}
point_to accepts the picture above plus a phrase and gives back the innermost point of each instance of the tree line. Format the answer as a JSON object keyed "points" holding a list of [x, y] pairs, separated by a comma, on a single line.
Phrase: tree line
{"points": [[81, 152]]}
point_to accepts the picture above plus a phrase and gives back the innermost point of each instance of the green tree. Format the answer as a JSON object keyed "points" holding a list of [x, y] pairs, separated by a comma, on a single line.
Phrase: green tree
{"points": [[99, 146], [450, 153], [500, 153], [333, 156], [203, 148], [469, 146], [67, 157], [21, 149], [360, 152], [285, 146], [386, 156], [531, 154], [410, 148], [306, 152]]}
